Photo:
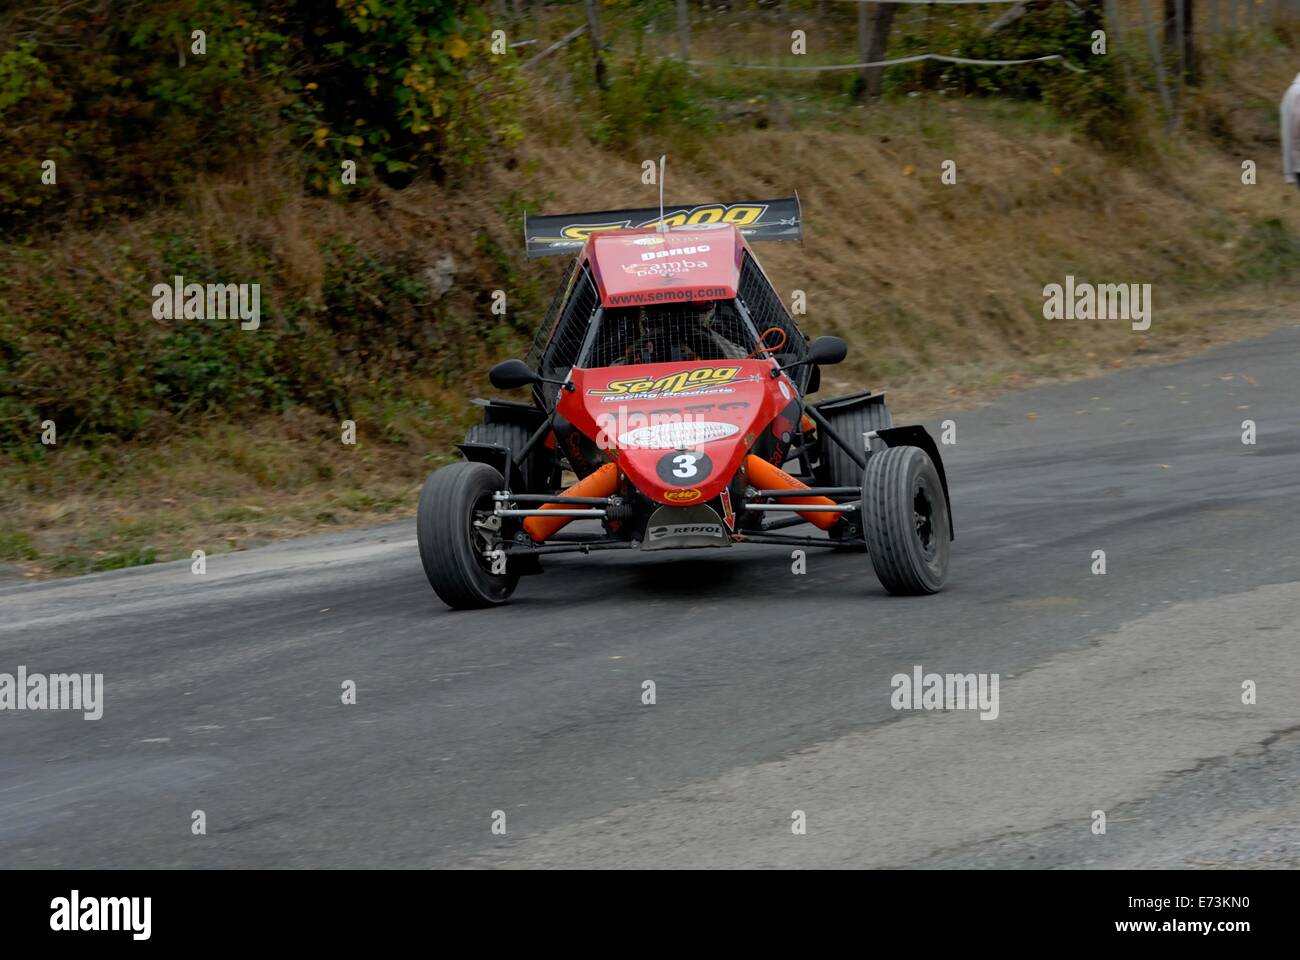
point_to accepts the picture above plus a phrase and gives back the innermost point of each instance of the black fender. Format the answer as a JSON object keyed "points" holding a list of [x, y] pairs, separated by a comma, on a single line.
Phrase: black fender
{"points": [[526, 415], [493, 454], [915, 435], [849, 401]]}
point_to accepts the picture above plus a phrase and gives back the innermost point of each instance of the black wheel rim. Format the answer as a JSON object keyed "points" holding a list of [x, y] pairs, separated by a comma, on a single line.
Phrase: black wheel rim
{"points": [[923, 517]]}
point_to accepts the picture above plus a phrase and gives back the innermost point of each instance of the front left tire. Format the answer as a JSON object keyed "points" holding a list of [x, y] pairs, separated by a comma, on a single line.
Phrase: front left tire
{"points": [[455, 527], [905, 516]]}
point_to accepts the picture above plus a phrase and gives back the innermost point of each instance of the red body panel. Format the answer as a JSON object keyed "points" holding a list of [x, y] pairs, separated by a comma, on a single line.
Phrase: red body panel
{"points": [[646, 416], [644, 267]]}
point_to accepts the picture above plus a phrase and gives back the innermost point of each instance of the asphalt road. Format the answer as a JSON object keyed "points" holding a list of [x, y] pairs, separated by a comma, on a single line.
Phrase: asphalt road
{"points": [[1119, 693]]}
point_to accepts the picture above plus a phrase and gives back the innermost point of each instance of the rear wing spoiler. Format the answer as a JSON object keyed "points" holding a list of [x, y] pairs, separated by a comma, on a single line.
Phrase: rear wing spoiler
{"points": [[755, 219]]}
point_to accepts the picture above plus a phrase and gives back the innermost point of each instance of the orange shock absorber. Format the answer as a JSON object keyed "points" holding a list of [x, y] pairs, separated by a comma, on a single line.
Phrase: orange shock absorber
{"points": [[765, 476], [601, 483]]}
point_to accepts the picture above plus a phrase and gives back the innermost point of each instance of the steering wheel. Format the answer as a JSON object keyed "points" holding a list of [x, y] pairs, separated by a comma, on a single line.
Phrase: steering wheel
{"points": [[762, 342]]}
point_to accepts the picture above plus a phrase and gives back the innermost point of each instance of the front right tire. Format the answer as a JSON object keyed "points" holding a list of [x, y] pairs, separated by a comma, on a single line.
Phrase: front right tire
{"points": [[455, 527]]}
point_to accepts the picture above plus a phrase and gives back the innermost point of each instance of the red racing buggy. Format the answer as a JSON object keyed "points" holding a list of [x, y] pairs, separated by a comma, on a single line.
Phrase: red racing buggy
{"points": [[669, 392]]}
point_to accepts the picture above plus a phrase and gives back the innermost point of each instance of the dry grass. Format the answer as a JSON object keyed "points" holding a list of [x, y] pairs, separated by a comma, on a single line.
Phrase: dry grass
{"points": [[225, 487]]}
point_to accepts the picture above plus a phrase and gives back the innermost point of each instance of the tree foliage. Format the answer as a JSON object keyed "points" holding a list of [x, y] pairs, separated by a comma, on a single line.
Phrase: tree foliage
{"points": [[118, 96]]}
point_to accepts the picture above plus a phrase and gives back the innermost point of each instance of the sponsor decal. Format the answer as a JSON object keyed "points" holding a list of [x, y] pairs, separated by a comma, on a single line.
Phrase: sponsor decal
{"points": [[610, 426], [756, 219], [687, 530], [728, 515], [682, 496], [669, 436], [573, 448], [738, 214], [665, 269], [690, 295], [676, 252], [669, 385], [695, 409]]}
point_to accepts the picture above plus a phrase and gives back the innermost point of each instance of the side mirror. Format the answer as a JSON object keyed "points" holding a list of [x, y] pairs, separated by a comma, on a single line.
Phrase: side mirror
{"points": [[828, 350], [510, 374]]}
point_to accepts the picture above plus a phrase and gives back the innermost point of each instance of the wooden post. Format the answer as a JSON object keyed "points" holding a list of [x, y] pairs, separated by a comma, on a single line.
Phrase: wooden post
{"points": [[863, 43], [1179, 24], [1157, 59], [684, 29], [593, 31], [1117, 25], [873, 42]]}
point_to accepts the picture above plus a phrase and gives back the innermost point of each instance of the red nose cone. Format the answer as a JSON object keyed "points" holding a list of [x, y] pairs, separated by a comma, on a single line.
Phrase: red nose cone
{"points": [[678, 430]]}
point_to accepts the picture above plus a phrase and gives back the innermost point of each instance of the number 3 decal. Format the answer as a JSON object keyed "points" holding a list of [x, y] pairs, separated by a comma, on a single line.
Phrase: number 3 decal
{"points": [[683, 468], [684, 465]]}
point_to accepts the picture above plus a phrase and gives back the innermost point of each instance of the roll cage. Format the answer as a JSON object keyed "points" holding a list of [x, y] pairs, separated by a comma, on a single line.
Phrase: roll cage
{"points": [[578, 331]]}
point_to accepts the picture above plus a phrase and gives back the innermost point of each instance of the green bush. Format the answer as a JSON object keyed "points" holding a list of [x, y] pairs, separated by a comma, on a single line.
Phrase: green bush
{"points": [[100, 366], [16, 545], [645, 96], [404, 86], [128, 111]]}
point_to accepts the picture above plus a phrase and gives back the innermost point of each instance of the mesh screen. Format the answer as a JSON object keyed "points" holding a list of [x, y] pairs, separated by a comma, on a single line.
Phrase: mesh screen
{"points": [[710, 330], [676, 332], [543, 336], [767, 311], [556, 357]]}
